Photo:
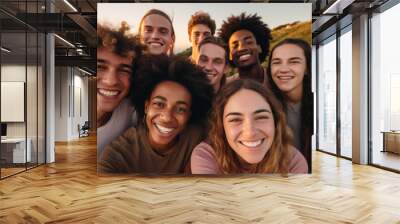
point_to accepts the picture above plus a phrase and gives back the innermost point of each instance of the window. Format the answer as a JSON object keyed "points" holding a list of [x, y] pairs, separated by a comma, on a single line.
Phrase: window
{"points": [[346, 92], [385, 87], [22, 64], [327, 96]]}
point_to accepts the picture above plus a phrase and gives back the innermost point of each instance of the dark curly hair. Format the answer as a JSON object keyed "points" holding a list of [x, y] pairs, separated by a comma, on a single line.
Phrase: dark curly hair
{"points": [[119, 41], [201, 18], [154, 69], [252, 23], [307, 102]]}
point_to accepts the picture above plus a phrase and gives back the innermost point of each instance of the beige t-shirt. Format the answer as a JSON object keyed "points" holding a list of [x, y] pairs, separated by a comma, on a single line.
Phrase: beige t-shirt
{"points": [[132, 153]]}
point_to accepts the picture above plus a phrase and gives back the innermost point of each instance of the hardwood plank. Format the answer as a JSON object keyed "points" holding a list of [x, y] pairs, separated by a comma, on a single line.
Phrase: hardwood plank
{"points": [[70, 191]]}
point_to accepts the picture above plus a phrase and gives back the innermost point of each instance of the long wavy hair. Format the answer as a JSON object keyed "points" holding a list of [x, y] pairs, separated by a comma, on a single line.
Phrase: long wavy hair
{"points": [[278, 157], [307, 102]]}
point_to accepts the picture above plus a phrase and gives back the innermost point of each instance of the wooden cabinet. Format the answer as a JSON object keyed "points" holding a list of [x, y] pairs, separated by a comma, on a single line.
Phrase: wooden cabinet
{"points": [[391, 141]]}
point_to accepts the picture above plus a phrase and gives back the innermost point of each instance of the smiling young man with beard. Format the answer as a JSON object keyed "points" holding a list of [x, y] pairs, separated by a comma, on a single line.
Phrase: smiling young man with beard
{"points": [[248, 40], [116, 53]]}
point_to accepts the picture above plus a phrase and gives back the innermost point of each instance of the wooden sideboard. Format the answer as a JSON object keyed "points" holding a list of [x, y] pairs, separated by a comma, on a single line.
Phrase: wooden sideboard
{"points": [[391, 141]]}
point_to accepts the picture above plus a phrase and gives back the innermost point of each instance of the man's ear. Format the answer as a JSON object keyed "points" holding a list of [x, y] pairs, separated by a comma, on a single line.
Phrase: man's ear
{"points": [[259, 49]]}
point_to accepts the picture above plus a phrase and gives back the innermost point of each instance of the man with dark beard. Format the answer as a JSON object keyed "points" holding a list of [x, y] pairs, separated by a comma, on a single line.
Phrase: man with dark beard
{"points": [[248, 45]]}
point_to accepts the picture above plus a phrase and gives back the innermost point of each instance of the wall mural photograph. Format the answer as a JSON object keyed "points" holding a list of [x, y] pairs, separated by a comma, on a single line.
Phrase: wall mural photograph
{"points": [[198, 89]]}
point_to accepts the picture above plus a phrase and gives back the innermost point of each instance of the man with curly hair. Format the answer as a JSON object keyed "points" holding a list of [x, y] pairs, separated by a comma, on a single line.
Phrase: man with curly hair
{"points": [[116, 53], [248, 41], [200, 26]]}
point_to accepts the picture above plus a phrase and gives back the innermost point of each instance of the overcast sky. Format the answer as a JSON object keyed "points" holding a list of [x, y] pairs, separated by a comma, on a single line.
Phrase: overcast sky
{"points": [[274, 14]]}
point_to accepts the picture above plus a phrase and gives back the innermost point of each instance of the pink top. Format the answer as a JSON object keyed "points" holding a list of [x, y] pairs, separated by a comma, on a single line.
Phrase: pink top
{"points": [[203, 161]]}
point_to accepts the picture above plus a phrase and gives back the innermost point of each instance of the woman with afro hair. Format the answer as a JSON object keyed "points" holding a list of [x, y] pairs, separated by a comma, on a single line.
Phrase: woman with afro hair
{"points": [[172, 98]]}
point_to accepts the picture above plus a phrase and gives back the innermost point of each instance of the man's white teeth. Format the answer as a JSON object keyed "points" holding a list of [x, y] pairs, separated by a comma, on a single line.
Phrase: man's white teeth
{"points": [[108, 92], [210, 76], [251, 144], [163, 130], [244, 57], [153, 44]]}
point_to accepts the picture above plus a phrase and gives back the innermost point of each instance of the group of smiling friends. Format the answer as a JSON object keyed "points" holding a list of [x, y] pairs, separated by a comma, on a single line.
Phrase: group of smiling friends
{"points": [[164, 114]]}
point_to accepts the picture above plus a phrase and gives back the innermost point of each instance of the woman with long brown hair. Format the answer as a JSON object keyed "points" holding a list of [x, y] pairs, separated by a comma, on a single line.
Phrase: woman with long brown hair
{"points": [[248, 134], [289, 76]]}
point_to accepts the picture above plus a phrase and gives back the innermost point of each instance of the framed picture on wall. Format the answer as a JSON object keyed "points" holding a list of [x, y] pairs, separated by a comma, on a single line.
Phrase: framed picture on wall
{"points": [[12, 101]]}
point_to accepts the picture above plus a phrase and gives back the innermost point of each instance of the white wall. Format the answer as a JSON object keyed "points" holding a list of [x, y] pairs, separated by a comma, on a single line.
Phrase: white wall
{"points": [[16, 73], [81, 101], [13, 72], [61, 103], [70, 84], [33, 126]]}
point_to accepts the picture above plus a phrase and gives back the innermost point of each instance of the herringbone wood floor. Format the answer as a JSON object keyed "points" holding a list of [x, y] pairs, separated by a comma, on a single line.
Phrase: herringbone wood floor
{"points": [[70, 191]]}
